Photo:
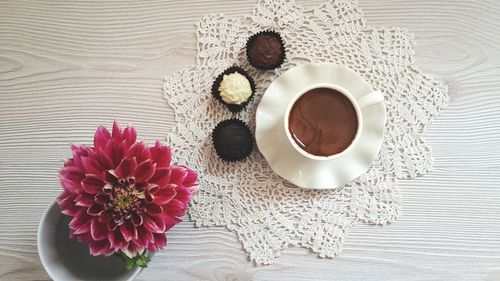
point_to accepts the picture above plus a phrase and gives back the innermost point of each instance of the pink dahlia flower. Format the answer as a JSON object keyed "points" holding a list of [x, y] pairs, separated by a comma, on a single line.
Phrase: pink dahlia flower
{"points": [[122, 195]]}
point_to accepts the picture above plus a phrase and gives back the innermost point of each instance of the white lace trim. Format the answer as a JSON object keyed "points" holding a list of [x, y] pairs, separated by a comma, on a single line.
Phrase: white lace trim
{"points": [[247, 197]]}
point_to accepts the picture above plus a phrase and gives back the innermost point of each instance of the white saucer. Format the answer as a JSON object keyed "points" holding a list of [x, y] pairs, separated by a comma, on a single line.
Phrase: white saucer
{"points": [[285, 160]]}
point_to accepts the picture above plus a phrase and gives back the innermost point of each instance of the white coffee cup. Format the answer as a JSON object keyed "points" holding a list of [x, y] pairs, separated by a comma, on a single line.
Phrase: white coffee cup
{"points": [[358, 104], [66, 259]]}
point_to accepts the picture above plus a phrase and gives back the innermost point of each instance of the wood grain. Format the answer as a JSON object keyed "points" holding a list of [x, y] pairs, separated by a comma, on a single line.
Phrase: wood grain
{"points": [[66, 67]]}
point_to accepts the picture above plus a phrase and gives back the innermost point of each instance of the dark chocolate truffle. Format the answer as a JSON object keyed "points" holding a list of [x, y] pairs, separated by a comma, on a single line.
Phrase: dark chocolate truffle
{"points": [[216, 86], [232, 140], [265, 50]]}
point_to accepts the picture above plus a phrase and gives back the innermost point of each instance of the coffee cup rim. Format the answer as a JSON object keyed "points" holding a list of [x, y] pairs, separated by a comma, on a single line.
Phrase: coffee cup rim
{"points": [[354, 103]]}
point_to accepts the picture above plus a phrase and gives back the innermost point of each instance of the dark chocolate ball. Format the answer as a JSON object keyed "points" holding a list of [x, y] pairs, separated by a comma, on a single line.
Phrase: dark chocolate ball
{"points": [[232, 140], [265, 50]]}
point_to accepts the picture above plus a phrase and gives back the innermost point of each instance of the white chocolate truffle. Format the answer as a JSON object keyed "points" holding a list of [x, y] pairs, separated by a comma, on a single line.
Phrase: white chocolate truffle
{"points": [[235, 88]]}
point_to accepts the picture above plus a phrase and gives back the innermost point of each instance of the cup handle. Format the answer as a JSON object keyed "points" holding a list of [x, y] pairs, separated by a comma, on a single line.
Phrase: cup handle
{"points": [[370, 99]]}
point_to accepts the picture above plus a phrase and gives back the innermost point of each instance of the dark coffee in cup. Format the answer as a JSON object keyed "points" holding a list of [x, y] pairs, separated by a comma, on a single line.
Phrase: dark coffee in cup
{"points": [[323, 122]]}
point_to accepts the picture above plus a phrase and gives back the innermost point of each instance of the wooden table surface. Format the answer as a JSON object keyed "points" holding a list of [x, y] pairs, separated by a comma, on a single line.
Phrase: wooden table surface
{"points": [[66, 67]]}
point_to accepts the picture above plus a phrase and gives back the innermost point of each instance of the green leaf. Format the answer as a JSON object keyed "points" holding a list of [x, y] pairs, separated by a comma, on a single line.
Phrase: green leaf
{"points": [[130, 264], [139, 260], [141, 263]]}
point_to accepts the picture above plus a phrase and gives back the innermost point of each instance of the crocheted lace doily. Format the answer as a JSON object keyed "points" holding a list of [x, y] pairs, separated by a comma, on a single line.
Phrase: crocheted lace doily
{"points": [[267, 213]]}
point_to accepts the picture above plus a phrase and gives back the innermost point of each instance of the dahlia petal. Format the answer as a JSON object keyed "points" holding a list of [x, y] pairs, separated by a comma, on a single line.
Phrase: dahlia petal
{"points": [[84, 200], [148, 196], [179, 174], [118, 152], [184, 194], [72, 173], [92, 167], [101, 199], [154, 209], [116, 240], [97, 230], [140, 151], [112, 225], [92, 184], [191, 177], [175, 204], [154, 224], [77, 163], [129, 135], [108, 150], [113, 243], [101, 247], [80, 223], [78, 152], [117, 132], [75, 148], [104, 159], [101, 137], [80, 217], [161, 155], [145, 236], [67, 197], [152, 247], [152, 188], [159, 221], [163, 196], [67, 203], [105, 216], [132, 250], [160, 241], [161, 176], [81, 229], [169, 226], [109, 252], [107, 188], [83, 237], [169, 219], [175, 208], [136, 219], [127, 235], [95, 210], [68, 162], [110, 176], [134, 150], [120, 221], [133, 228], [69, 185], [145, 153], [154, 150], [144, 171], [127, 253], [126, 168], [129, 231]]}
